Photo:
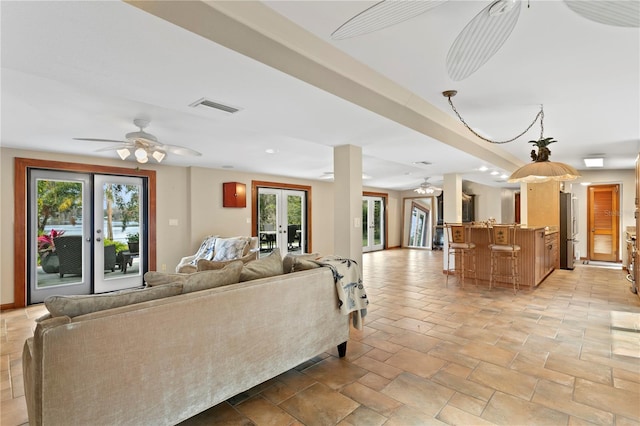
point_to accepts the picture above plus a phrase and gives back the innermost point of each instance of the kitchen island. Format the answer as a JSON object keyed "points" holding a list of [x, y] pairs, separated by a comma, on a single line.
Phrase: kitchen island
{"points": [[538, 255]]}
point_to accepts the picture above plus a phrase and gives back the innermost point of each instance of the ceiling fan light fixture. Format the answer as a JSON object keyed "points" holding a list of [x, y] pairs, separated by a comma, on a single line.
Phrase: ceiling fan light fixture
{"points": [[141, 155], [158, 156], [124, 153]]}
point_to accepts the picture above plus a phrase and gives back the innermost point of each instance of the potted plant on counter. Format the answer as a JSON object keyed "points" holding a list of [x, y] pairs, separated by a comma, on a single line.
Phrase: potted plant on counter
{"points": [[47, 252]]}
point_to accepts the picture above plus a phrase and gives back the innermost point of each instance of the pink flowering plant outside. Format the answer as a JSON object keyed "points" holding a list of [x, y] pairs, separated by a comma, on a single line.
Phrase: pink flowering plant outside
{"points": [[45, 242]]}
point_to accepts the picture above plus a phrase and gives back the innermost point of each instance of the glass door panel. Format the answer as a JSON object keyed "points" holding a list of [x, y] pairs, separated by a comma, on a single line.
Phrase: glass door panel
{"points": [[119, 249], [281, 220], [59, 228], [372, 223]]}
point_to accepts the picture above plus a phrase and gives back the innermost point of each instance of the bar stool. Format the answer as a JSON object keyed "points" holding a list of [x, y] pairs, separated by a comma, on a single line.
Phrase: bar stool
{"points": [[503, 247], [461, 247]]}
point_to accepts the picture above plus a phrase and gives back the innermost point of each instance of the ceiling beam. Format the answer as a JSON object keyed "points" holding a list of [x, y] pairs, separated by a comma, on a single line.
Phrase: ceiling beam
{"points": [[255, 30]]}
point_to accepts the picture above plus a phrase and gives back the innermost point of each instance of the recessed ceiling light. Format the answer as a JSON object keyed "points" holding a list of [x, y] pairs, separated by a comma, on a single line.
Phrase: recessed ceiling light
{"points": [[270, 151], [495, 172], [585, 183], [504, 176], [594, 162], [483, 168]]}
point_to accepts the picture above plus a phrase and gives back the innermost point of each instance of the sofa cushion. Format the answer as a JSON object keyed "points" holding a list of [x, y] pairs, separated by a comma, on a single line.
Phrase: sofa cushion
{"points": [[206, 249], [268, 266], [305, 265], [72, 306], [291, 258], [229, 273], [208, 265], [229, 248]]}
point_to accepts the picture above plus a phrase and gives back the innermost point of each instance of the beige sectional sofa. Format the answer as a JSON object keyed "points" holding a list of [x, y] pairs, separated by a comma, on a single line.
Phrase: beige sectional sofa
{"points": [[162, 361]]}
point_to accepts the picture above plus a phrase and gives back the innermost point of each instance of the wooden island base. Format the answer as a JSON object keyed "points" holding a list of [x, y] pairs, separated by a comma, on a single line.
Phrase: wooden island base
{"points": [[538, 256]]}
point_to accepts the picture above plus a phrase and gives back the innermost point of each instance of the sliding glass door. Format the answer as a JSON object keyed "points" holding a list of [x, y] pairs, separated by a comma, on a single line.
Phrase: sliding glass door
{"points": [[86, 233]]}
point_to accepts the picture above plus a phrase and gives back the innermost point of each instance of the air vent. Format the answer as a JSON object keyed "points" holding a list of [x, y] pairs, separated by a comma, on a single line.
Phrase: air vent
{"points": [[422, 163], [215, 105]]}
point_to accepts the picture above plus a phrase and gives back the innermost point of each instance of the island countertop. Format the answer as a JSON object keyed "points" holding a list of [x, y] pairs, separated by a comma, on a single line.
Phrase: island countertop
{"points": [[538, 254]]}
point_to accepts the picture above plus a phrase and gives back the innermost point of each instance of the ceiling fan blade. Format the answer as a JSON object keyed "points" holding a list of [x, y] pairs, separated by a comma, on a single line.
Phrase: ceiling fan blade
{"points": [[619, 13], [179, 150], [99, 140], [382, 15], [483, 36], [115, 147]]}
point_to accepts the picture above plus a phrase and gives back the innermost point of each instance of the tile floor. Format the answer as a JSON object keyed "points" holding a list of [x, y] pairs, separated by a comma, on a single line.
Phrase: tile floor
{"points": [[566, 353]]}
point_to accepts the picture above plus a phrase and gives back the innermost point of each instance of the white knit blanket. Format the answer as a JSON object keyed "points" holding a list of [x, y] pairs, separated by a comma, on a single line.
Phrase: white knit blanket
{"points": [[351, 293]]}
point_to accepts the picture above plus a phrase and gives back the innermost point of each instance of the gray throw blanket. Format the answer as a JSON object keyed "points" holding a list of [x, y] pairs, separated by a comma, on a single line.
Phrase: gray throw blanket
{"points": [[351, 294]]}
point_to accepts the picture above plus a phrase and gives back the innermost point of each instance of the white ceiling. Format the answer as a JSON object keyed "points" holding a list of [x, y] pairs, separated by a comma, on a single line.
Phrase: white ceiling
{"points": [[87, 69]]}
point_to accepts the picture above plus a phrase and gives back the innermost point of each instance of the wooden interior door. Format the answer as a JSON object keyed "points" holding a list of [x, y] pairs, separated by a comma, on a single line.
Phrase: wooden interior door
{"points": [[604, 222]]}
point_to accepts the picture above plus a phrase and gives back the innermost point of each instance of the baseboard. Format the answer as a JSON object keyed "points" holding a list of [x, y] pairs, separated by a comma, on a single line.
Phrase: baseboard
{"points": [[7, 307]]}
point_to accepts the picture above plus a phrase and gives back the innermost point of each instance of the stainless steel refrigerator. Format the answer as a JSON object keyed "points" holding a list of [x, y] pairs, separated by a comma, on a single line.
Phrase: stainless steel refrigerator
{"points": [[568, 230]]}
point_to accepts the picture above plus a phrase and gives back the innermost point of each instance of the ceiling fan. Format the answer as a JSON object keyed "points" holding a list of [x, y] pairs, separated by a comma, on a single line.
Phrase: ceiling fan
{"points": [[427, 188], [487, 31], [142, 144]]}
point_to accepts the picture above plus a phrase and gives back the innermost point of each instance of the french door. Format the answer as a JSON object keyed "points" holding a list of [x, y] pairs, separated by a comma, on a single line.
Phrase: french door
{"points": [[372, 223], [282, 221], [78, 227]]}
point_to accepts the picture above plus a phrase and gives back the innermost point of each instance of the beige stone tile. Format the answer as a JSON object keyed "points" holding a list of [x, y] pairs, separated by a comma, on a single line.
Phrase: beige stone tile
{"points": [[504, 380], [419, 393], [632, 376], [409, 416], [379, 355], [335, 372], [560, 398], [295, 380], [278, 392], [363, 416], [380, 368], [505, 409], [467, 403], [371, 398], [416, 341], [455, 416], [452, 352], [488, 353], [416, 362], [13, 412], [374, 381], [220, 415], [464, 386], [608, 398], [532, 364], [578, 368], [457, 370], [319, 405], [264, 412]]}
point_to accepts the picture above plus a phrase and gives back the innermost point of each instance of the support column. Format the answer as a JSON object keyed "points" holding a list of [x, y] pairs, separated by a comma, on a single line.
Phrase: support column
{"points": [[452, 209], [347, 228]]}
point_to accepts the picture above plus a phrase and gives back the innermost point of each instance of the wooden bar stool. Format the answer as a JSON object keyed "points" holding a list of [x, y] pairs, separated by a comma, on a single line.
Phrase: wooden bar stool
{"points": [[461, 248], [502, 245]]}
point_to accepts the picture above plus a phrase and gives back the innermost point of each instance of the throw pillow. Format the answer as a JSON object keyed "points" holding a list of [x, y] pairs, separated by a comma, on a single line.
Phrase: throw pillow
{"points": [[72, 306], [154, 278], [304, 265], [229, 248], [209, 265], [268, 266], [229, 274], [290, 258], [206, 249]]}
